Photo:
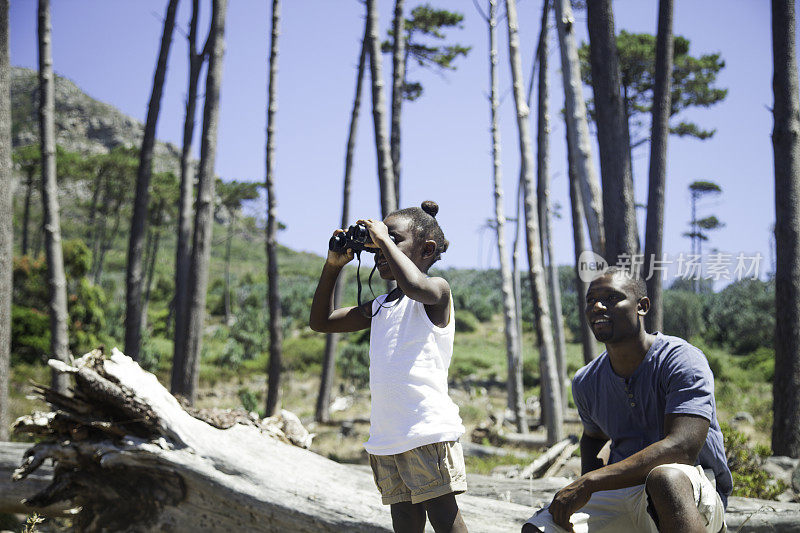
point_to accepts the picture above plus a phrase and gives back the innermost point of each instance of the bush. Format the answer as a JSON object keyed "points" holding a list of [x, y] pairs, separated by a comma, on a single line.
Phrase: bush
{"points": [[684, 313], [249, 399], [353, 364], [464, 366], [466, 322], [749, 480], [30, 335], [742, 316]]}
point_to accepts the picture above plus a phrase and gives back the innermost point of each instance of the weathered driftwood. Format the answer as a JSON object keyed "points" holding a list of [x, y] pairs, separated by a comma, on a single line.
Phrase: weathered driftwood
{"points": [[13, 492], [565, 454], [133, 460], [544, 460]]}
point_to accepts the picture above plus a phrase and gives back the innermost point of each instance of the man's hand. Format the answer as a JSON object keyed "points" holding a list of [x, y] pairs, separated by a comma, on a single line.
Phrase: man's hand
{"points": [[377, 231], [337, 259], [569, 500]]}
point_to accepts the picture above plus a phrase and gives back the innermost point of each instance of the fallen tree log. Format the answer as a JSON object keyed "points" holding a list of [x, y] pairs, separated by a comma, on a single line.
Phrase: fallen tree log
{"points": [[127, 453], [544, 460]]}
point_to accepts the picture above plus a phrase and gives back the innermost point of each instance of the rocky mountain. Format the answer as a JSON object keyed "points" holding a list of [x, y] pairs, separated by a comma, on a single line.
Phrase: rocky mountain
{"points": [[83, 124]]}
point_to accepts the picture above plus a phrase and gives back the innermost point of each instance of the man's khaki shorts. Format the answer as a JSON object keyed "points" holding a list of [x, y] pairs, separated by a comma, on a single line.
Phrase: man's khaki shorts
{"points": [[420, 474], [615, 511]]}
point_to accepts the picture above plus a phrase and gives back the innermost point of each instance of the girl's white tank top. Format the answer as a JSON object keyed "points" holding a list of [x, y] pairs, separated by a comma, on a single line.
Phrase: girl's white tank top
{"points": [[409, 358]]}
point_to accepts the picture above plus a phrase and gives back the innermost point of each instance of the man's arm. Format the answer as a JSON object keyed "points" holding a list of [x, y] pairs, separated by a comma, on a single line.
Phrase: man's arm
{"points": [[685, 436], [590, 446]]}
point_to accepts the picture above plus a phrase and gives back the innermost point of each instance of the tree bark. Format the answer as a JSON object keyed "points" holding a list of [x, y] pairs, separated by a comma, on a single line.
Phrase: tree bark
{"points": [[155, 467], [659, 132], [134, 279], [385, 168], [551, 406], [322, 413], [543, 203], [575, 112], [275, 329], [619, 213], [183, 248], [204, 217], [516, 393], [6, 220], [26, 212], [398, 80], [581, 286], [227, 290], [57, 282], [786, 148]]}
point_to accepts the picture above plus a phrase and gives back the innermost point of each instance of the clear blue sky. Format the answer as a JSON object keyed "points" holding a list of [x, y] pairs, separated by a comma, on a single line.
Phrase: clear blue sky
{"points": [[109, 47]]}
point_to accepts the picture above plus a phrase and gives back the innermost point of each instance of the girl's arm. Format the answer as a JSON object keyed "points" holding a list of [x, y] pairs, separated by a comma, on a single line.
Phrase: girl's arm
{"points": [[324, 317], [434, 292]]}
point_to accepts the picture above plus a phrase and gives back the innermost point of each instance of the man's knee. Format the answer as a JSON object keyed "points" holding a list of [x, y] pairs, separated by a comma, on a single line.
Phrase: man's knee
{"points": [[664, 483]]}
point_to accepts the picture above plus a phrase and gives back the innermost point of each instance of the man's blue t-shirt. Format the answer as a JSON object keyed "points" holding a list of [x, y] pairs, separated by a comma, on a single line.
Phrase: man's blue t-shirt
{"points": [[673, 378]]}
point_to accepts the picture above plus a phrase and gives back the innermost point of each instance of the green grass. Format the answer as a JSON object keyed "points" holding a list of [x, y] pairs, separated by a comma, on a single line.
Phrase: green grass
{"points": [[485, 465]]}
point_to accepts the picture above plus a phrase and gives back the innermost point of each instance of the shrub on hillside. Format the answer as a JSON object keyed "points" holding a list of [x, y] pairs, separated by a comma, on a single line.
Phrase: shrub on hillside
{"points": [[742, 316], [684, 313], [466, 322], [749, 479], [86, 302]]}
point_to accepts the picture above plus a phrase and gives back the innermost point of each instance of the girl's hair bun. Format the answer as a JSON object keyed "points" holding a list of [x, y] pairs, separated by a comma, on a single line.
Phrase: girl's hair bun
{"points": [[430, 207]]}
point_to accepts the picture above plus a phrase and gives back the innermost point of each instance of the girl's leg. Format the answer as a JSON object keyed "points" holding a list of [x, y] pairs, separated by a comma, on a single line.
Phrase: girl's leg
{"points": [[444, 514], [408, 517]]}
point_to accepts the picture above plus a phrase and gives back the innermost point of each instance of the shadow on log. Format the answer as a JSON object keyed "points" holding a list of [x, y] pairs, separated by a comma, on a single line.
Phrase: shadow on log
{"points": [[132, 459]]}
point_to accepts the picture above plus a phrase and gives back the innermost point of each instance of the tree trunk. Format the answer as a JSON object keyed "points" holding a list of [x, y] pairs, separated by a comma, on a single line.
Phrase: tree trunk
{"points": [[385, 168], [552, 404], [227, 291], [204, 216], [151, 271], [786, 147], [135, 275], [543, 197], [581, 286], [57, 282], [516, 393], [275, 329], [322, 413], [183, 248], [619, 213], [169, 471], [398, 81], [659, 132], [575, 112], [26, 212], [6, 220], [107, 241]]}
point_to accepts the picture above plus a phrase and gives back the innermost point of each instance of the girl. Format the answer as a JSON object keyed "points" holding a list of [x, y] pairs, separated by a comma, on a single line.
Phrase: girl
{"points": [[413, 446]]}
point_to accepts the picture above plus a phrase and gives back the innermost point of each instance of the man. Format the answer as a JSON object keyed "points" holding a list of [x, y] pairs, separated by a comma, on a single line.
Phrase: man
{"points": [[652, 396]]}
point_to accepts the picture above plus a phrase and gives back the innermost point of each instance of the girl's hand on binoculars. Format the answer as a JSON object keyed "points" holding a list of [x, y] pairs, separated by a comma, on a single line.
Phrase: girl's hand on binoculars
{"points": [[377, 230], [339, 259]]}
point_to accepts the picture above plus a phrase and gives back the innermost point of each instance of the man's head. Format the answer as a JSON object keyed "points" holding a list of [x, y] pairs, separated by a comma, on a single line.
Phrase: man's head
{"points": [[616, 304]]}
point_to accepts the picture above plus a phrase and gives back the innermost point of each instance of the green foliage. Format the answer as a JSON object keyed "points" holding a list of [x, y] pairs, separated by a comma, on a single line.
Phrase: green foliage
{"points": [[476, 291], [467, 365], [304, 353], [247, 338], [353, 364], [30, 335], [466, 322], [427, 22], [684, 313], [749, 479], [693, 82], [86, 302], [742, 316], [249, 399], [485, 465]]}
